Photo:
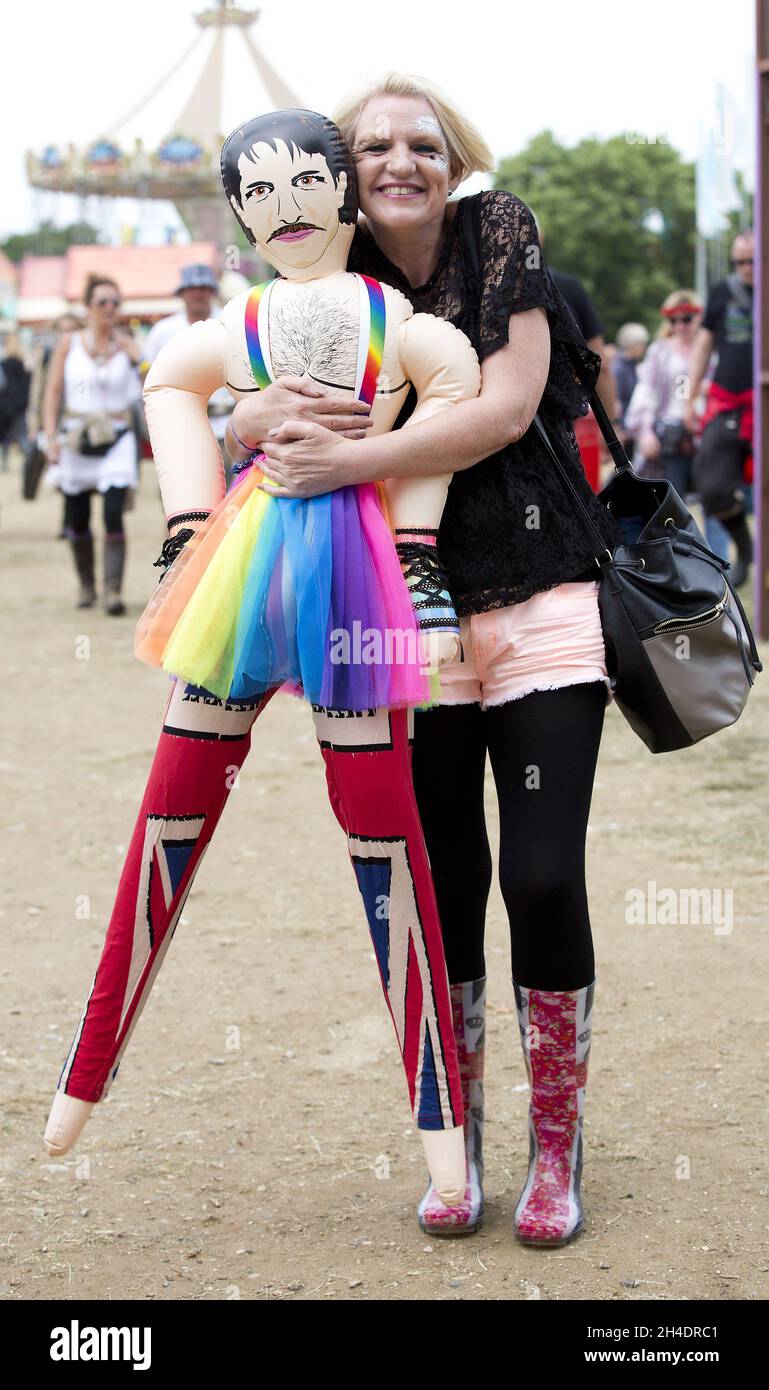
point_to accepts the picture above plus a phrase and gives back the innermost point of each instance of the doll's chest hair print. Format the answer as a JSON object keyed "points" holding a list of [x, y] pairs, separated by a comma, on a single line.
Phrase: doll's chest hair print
{"points": [[312, 331]]}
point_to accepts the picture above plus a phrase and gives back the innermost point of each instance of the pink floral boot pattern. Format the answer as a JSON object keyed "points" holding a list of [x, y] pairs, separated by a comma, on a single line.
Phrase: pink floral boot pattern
{"points": [[468, 1004], [555, 1033]]}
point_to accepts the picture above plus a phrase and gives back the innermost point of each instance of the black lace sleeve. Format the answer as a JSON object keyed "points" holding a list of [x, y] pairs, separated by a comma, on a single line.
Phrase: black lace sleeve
{"points": [[515, 277]]}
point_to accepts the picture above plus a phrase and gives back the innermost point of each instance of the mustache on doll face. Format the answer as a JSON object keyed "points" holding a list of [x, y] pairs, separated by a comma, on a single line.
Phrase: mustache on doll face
{"points": [[292, 229]]}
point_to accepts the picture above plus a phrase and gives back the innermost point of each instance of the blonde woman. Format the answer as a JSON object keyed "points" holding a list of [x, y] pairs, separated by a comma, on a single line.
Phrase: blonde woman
{"points": [[656, 410], [532, 688]]}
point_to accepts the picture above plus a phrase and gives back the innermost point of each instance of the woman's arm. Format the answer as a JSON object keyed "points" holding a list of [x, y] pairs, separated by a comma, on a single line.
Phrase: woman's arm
{"points": [[702, 351], [305, 460], [291, 398], [54, 385]]}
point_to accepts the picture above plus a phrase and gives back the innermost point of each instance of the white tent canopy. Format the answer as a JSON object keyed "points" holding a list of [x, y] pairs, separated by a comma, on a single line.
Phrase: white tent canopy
{"points": [[220, 80]]}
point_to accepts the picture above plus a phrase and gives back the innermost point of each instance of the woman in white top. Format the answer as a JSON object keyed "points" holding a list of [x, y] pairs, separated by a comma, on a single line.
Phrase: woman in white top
{"points": [[654, 415], [93, 377]]}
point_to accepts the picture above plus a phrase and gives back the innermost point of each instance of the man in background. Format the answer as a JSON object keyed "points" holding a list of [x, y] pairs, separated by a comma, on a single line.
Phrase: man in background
{"points": [[197, 288], [632, 342], [591, 328], [724, 468], [589, 438]]}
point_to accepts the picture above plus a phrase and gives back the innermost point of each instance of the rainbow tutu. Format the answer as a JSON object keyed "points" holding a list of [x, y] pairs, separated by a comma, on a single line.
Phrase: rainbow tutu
{"points": [[302, 593]]}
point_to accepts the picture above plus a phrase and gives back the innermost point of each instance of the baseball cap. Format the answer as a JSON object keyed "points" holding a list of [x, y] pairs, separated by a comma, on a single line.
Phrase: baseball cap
{"points": [[195, 277]]}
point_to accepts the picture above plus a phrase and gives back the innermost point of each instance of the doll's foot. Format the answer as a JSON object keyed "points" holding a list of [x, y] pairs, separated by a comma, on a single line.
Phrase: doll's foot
{"points": [[446, 1163], [65, 1123], [462, 1219], [428, 586], [437, 648]]}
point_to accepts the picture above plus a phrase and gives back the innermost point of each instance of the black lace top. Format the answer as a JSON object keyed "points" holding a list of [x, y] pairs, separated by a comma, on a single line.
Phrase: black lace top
{"points": [[509, 527]]}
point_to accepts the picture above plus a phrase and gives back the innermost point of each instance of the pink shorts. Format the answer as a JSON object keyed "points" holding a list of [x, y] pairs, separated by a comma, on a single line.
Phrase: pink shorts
{"points": [[553, 639]]}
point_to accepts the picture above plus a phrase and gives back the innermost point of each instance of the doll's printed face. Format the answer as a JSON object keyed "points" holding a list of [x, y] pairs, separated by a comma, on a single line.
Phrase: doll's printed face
{"points": [[290, 202]]}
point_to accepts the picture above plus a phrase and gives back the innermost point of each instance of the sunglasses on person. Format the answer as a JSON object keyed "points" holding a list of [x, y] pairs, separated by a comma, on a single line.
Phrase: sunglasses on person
{"points": [[743, 260], [681, 318], [104, 303]]}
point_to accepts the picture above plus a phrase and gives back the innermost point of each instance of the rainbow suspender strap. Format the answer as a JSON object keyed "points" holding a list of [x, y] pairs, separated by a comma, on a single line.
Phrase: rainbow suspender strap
{"points": [[257, 341], [371, 335]]}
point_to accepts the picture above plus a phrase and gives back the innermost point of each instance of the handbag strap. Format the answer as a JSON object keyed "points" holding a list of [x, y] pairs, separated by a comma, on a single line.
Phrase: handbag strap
{"points": [[602, 548]]}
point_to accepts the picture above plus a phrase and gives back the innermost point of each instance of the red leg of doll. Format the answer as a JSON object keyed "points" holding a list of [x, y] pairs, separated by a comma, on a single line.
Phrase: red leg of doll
{"points": [[368, 770], [202, 745]]}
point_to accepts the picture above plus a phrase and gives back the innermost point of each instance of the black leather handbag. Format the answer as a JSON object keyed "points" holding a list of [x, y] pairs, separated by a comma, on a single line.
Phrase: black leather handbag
{"points": [[679, 649]]}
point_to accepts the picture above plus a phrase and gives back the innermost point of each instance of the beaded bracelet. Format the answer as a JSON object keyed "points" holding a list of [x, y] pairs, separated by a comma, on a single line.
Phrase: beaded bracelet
{"points": [[250, 449]]}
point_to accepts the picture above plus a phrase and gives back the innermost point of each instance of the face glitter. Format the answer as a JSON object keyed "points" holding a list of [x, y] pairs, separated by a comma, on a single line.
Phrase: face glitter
{"points": [[428, 125]]}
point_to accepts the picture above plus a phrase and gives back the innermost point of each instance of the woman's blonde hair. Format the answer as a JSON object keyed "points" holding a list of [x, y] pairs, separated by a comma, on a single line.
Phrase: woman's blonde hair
{"points": [[468, 151], [676, 299]]}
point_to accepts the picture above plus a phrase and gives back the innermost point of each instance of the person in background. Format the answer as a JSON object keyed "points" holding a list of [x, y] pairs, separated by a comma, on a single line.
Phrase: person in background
{"points": [[197, 288], [14, 394], [42, 352], [632, 342], [591, 442], [591, 328], [727, 424], [665, 446], [93, 382]]}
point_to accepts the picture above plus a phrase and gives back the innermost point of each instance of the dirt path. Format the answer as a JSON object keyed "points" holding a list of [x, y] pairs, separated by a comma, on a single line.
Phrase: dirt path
{"points": [[287, 1167]]}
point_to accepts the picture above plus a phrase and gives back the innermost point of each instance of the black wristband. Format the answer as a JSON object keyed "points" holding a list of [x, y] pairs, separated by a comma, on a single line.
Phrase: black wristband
{"points": [[186, 516], [170, 549]]}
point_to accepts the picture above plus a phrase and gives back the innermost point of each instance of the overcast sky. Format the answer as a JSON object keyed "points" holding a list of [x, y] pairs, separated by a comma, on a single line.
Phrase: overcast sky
{"points": [[601, 67]]}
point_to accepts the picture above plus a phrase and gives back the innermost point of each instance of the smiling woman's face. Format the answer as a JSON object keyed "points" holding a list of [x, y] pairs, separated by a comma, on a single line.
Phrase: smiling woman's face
{"points": [[290, 202], [402, 162]]}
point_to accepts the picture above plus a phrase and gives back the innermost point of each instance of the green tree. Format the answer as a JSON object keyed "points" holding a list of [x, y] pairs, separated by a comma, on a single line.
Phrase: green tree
{"points": [[618, 213], [49, 240]]}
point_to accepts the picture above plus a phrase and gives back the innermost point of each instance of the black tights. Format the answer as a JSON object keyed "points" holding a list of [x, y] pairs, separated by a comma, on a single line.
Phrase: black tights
{"points": [[543, 749], [77, 512]]}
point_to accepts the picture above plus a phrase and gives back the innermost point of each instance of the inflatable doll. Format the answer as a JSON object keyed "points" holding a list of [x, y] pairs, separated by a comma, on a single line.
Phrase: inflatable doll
{"points": [[261, 592]]}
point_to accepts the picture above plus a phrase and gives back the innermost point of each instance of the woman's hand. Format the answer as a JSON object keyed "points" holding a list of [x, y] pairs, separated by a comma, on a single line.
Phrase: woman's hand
{"points": [[305, 459], [129, 344], [52, 450], [650, 444], [298, 398]]}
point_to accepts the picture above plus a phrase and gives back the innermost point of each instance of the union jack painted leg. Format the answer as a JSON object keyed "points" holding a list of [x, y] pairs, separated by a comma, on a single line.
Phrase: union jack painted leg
{"points": [[203, 744], [368, 771]]}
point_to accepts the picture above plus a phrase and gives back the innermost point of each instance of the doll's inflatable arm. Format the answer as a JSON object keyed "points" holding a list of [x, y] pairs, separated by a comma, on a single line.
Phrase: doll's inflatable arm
{"points": [[443, 367], [183, 377]]}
